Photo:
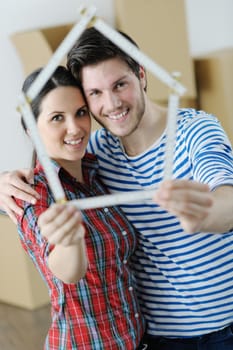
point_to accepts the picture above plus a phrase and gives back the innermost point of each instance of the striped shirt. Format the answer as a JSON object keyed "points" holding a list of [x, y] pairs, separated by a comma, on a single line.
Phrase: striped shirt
{"points": [[100, 311], [185, 282]]}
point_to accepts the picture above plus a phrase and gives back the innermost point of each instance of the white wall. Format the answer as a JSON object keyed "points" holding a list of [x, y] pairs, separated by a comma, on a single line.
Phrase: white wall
{"points": [[209, 23], [21, 15]]}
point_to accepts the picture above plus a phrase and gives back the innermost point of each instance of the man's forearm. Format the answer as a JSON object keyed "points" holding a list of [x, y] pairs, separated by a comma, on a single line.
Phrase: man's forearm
{"points": [[220, 218]]}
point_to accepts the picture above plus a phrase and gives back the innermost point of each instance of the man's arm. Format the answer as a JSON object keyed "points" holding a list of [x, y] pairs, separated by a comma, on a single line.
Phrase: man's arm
{"points": [[197, 208], [16, 184]]}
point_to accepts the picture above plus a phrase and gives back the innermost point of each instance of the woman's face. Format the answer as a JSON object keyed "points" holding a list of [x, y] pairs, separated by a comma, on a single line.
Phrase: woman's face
{"points": [[64, 125]]}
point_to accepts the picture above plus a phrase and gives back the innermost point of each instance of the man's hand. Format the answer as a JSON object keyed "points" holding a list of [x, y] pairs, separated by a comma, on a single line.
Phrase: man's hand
{"points": [[16, 184], [190, 201]]}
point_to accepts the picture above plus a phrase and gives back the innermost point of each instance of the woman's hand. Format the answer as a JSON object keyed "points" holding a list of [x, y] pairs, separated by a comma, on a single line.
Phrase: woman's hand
{"points": [[61, 224]]}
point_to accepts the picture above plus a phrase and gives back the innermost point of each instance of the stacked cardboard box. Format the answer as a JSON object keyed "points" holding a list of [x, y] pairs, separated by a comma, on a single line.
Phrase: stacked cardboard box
{"points": [[159, 28], [36, 47], [214, 74], [21, 284]]}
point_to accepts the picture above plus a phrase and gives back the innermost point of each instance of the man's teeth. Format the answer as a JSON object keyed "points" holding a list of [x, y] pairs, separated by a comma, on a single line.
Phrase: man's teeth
{"points": [[73, 142], [118, 116]]}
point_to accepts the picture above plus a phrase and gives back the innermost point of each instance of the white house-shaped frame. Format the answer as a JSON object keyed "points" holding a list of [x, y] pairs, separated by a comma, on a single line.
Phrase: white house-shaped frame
{"points": [[176, 90]]}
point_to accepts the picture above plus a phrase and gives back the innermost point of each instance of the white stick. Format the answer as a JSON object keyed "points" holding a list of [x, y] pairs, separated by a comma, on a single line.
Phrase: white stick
{"points": [[113, 199], [61, 51], [50, 173], [139, 56], [173, 103]]}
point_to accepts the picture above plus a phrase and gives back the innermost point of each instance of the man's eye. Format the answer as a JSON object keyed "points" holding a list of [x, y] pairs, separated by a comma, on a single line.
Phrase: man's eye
{"points": [[94, 93], [120, 85]]}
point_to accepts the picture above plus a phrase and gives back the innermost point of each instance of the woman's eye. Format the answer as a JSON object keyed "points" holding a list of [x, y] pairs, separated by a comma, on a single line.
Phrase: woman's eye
{"points": [[57, 117], [82, 112]]}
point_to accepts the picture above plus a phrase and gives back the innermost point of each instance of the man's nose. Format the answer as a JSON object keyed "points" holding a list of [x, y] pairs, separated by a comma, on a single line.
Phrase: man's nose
{"points": [[112, 101]]}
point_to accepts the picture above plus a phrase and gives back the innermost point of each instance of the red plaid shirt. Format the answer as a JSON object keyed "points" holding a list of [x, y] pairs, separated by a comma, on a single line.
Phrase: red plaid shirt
{"points": [[100, 311]]}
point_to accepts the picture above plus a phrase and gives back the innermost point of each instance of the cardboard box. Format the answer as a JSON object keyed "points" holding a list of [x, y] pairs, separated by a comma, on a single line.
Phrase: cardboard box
{"points": [[159, 28], [36, 47], [214, 75], [21, 284], [164, 19]]}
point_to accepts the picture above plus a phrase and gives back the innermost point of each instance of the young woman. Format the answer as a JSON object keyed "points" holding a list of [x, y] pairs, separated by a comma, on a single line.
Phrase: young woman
{"points": [[84, 261]]}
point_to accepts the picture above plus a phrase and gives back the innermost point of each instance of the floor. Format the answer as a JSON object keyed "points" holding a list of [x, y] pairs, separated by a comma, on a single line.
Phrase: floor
{"points": [[21, 329]]}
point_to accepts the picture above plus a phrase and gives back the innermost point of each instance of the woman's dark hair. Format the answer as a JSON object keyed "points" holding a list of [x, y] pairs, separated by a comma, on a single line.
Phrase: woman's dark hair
{"points": [[61, 77], [92, 47]]}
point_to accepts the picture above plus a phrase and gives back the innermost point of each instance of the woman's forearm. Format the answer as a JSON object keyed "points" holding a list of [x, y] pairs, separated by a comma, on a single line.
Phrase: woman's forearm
{"points": [[69, 263]]}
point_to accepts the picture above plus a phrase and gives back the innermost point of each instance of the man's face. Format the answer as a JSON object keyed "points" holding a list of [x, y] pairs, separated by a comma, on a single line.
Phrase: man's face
{"points": [[115, 95]]}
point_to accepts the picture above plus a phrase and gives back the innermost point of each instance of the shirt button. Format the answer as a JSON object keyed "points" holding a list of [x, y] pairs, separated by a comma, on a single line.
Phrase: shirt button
{"points": [[136, 315], [124, 233], [125, 261], [130, 288], [106, 210]]}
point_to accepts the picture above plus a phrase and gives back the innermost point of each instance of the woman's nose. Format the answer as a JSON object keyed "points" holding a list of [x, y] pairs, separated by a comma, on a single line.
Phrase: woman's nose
{"points": [[72, 126]]}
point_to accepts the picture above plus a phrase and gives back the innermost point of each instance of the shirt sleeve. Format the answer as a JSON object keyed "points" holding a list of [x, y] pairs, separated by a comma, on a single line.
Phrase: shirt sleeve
{"points": [[210, 151], [32, 241]]}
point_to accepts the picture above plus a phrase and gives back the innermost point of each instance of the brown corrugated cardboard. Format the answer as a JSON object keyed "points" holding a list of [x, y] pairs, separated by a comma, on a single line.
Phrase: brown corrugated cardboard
{"points": [[214, 74], [36, 47], [159, 28], [21, 284]]}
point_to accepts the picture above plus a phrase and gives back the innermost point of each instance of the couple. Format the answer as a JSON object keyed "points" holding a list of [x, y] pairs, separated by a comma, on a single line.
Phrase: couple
{"points": [[183, 261]]}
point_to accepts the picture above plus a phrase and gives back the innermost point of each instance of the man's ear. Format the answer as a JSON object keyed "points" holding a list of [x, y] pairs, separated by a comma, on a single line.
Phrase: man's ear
{"points": [[143, 78]]}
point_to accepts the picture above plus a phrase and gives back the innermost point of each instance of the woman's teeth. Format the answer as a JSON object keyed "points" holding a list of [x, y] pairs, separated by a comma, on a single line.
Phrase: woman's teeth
{"points": [[73, 142]]}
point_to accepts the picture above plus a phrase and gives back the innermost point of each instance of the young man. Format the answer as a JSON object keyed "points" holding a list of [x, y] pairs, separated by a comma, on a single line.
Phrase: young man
{"points": [[183, 269]]}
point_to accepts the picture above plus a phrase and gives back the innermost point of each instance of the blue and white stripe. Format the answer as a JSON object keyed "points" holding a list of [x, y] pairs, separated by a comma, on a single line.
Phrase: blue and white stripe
{"points": [[185, 281]]}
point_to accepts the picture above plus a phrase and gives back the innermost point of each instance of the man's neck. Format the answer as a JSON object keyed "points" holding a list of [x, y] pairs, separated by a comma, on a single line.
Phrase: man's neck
{"points": [[149, 130]]}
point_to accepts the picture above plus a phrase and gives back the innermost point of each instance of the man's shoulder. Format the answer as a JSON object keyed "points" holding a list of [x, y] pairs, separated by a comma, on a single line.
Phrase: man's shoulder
{"points": [[103, 134], [102, 140], [192, 113], [188, 116]]}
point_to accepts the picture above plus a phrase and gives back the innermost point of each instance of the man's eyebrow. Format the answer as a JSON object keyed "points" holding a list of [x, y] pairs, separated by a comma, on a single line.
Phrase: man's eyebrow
{"points": [[112, 84], [90, 90], [121, 78]]}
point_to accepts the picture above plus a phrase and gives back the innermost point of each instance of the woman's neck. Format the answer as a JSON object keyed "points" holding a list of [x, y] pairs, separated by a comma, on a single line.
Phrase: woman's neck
{"points": [[73, 168]]}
